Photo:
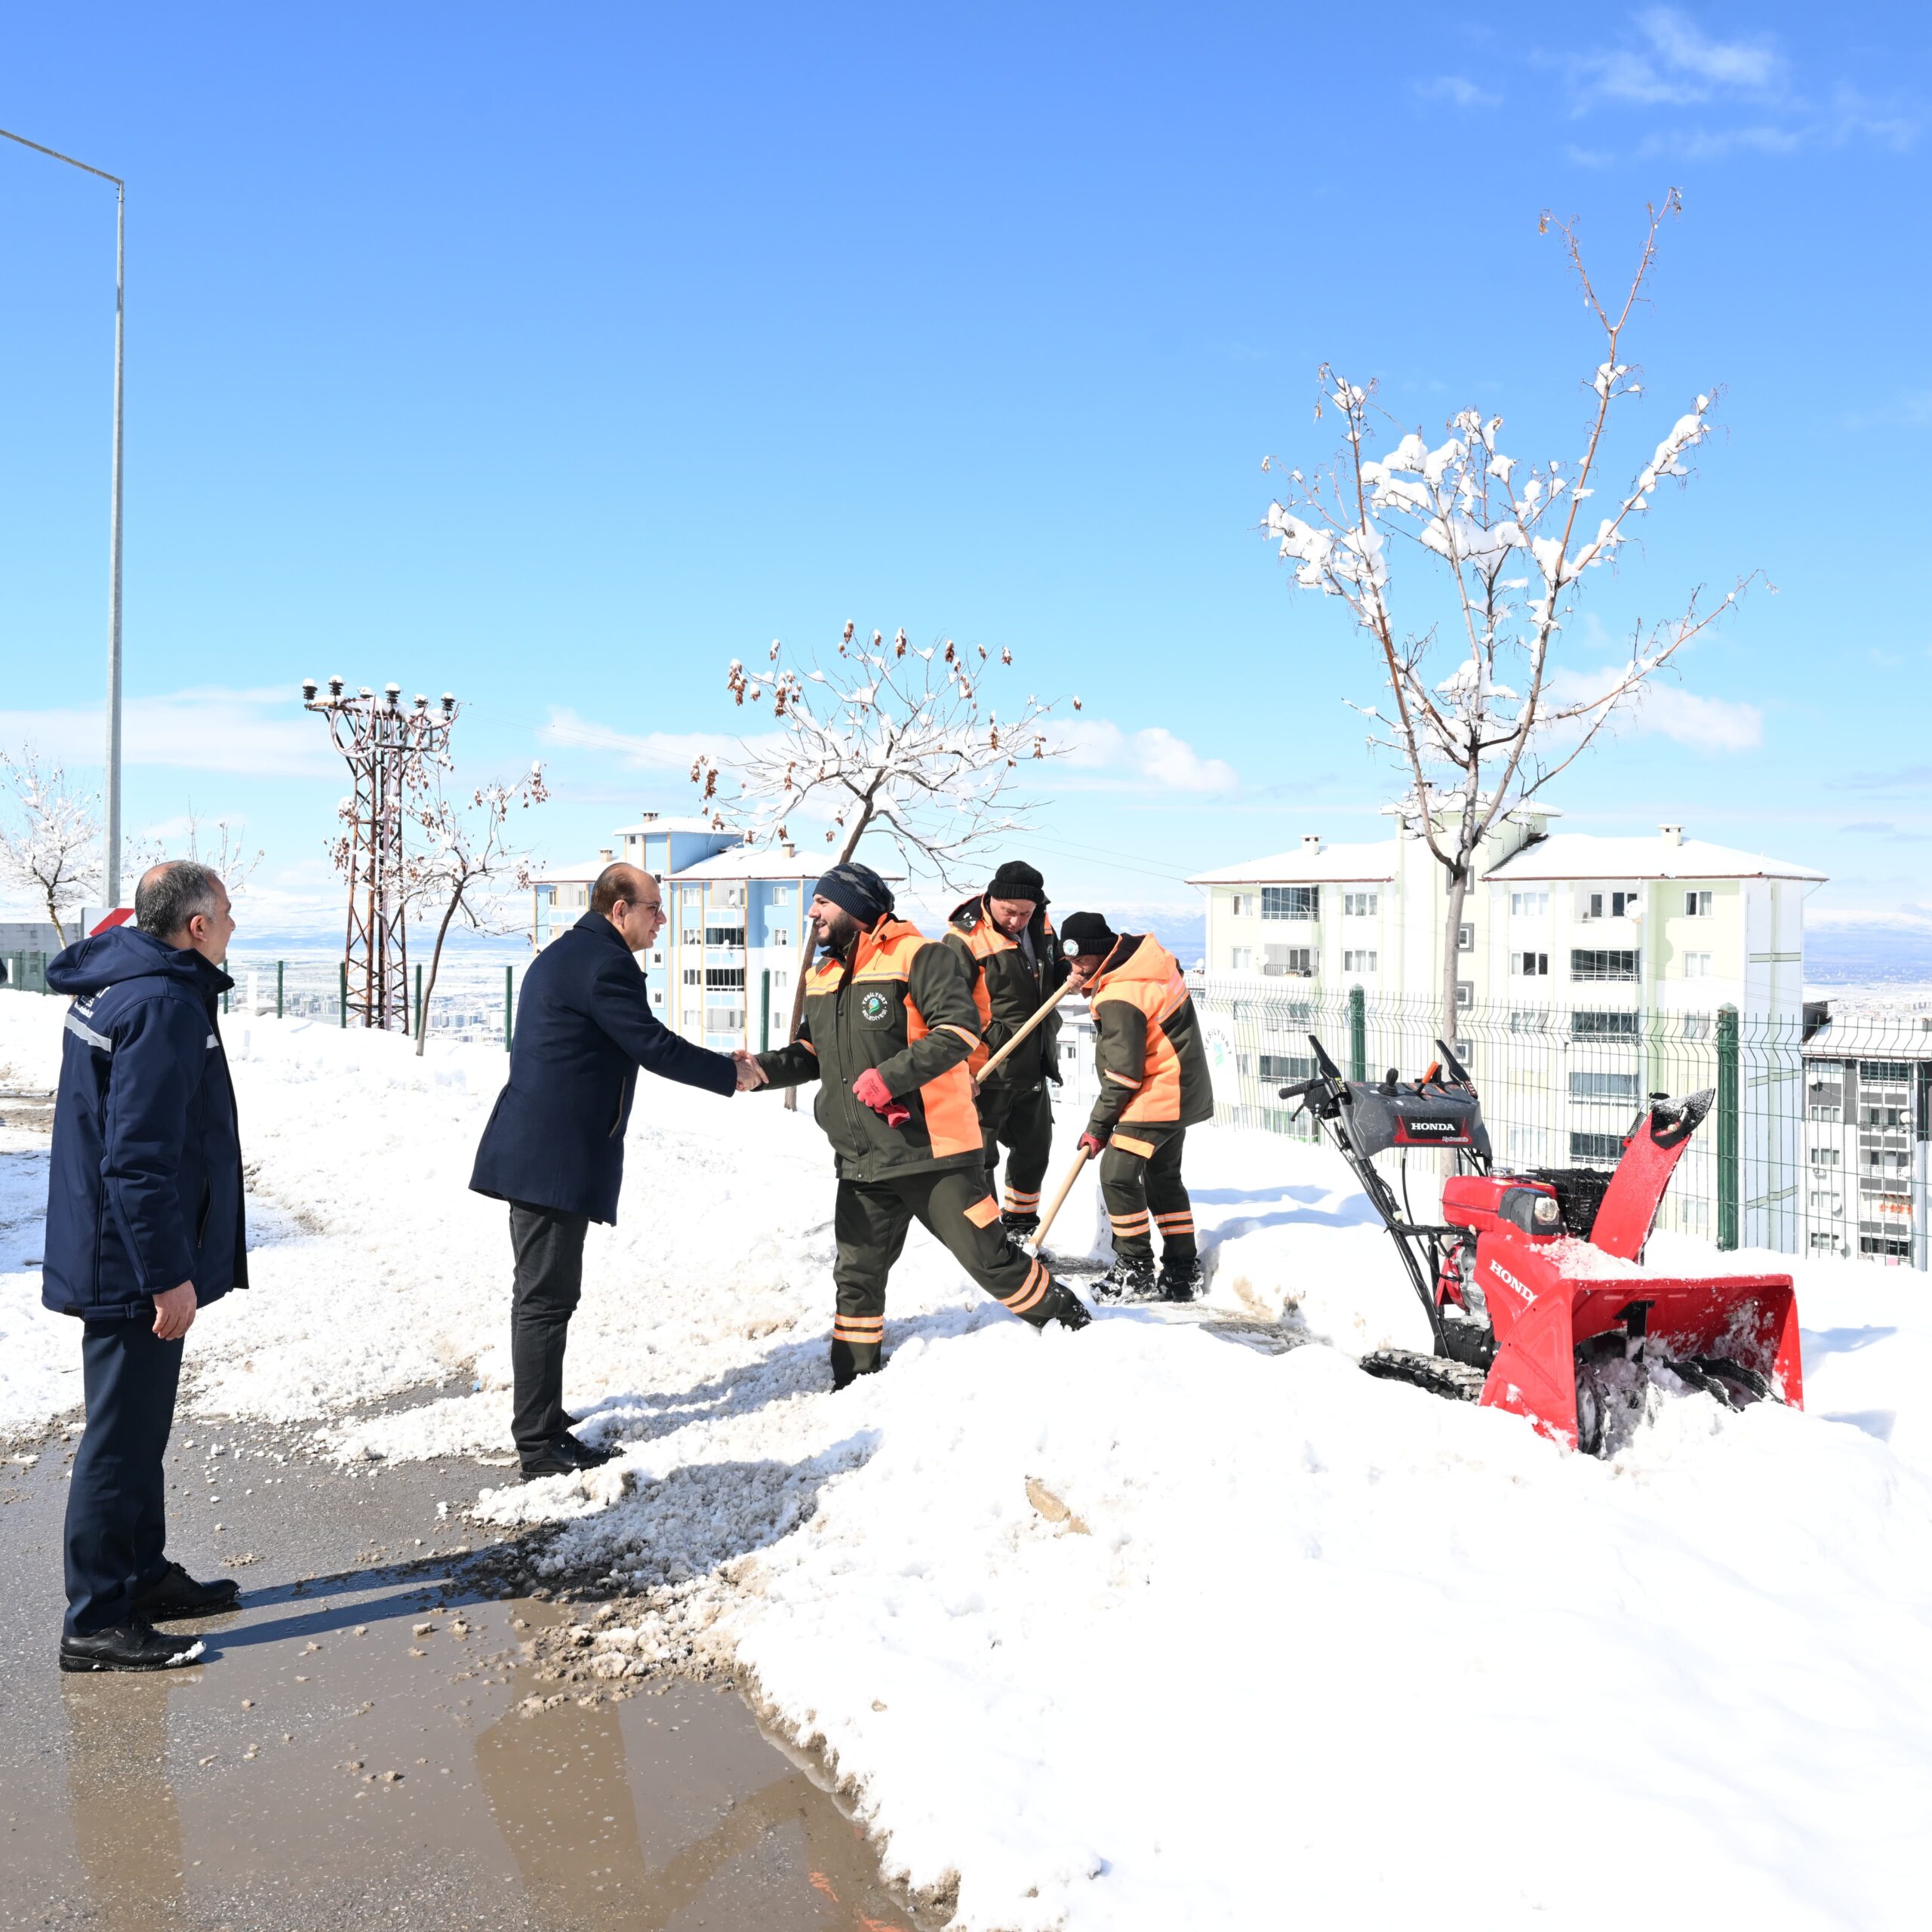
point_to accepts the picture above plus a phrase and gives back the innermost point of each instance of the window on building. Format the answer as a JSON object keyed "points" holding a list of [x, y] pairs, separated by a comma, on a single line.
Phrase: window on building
{"points": [[1465, 994], [1697, 905], [657, 959], [1287, 1066], [1603, 1025], [1292, 962], [1884, 1116], [725, 1019], [1696, 965], [733, 895], [1361, 904], [1696, 1026], [1608, 904], [1602, 963], [1820, 1241], [1603, 1087], [1241, 905], [782, 936], [691, 935], [1289, 901], [1529, 965], [781, 895], [1465, 939], [1824, 1157], [1357, 962], [1596, 1147], [1533, 1020], [1885, 1073], [725, 978], [658, 999], [1528, 904], [1827, 1114], [1241, 959], [694, 975], [724, 935], [1884, 1244]]}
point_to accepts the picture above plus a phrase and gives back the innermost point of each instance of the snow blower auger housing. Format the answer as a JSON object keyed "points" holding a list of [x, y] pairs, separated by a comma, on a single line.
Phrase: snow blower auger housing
{"points": [[1533, 1283]]}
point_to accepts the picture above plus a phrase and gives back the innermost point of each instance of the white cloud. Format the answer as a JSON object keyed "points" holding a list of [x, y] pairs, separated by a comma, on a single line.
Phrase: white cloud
{"points": [[1152, 756], [1668, 710], [256, 734], [648, 751], [1454, 88], [1676, 65]]}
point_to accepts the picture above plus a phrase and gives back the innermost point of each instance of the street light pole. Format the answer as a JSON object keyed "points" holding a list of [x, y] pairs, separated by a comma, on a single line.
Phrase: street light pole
{"points": [[112, 789]]}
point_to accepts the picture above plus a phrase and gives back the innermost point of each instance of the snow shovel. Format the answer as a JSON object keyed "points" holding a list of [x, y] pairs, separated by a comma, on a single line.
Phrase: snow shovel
{"points": [[1058, 1202], [1051, 1006]]}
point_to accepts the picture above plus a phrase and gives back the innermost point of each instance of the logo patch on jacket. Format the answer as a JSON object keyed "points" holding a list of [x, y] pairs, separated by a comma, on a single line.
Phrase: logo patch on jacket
{"points": [[875, 1006]]}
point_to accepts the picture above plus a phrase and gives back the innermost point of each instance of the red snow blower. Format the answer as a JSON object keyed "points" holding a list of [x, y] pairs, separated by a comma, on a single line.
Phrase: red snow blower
{"points": [[1533, 1284]]}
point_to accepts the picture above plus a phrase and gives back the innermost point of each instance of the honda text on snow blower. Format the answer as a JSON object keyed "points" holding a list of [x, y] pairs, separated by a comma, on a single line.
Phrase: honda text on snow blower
{"points": [[1534, 1286]]}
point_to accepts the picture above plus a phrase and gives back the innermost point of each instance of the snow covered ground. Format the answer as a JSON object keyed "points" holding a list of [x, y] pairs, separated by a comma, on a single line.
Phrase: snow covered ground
{"points": [[1139, 1628]]}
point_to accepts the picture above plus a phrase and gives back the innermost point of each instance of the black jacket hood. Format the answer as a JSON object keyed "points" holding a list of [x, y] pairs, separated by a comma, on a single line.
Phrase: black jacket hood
{"points": [[126, 952]]}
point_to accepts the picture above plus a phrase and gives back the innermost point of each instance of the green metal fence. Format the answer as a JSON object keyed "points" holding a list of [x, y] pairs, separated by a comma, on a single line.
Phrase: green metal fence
{"points": [[1817, 1141]]}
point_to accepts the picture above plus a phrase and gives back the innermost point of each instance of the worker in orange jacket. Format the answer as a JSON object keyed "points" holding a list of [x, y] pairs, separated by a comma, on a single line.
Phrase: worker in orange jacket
{"points": [[889, 1025], [1154, 1085]]}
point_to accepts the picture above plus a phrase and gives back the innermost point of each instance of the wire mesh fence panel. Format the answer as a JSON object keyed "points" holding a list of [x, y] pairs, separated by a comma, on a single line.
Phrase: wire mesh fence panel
{"points": [[473, 1000], [1815, 1142]]}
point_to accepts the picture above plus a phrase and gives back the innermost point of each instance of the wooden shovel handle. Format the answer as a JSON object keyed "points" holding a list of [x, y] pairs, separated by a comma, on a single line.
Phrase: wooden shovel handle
{"points": [[1051, 1006], [1059, 1200]]}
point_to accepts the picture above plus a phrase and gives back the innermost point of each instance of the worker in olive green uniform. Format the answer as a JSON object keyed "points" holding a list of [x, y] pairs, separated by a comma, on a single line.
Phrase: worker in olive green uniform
{"points": [[1154, 1085], [1016, 967], [889, 1025]]}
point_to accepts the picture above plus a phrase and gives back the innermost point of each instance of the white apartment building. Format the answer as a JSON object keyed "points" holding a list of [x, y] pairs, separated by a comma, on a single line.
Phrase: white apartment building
{"points": [[1593, 970]]}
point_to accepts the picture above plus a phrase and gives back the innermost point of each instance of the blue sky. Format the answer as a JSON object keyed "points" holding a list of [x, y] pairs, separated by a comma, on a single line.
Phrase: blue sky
{"points": [[557, 357]]}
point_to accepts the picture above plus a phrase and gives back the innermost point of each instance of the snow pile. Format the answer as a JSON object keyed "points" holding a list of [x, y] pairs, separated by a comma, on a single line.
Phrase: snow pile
{"points": [[1144, 1627]]}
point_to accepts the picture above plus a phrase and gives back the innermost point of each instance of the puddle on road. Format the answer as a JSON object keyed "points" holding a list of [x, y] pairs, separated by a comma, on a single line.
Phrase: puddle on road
{"points": [[334, 1754]]}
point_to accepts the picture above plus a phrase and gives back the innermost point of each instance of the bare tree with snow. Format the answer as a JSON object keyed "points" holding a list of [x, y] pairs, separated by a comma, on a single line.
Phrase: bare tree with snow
{"points": [[471, 852], [886, 738], [227, 851], [49, 845], [1478, 711]]}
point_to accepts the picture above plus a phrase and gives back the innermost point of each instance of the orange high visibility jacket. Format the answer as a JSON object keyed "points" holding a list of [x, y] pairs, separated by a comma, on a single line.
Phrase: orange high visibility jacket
{"points": [[1153, 1067], [1008, 992], [900, 1004]]}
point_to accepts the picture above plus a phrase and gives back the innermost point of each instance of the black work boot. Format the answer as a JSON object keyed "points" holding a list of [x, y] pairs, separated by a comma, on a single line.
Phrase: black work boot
{"points": [[851, 1359], [564, 1456], [176, 1594], [1131, 1278], [135, 1645], [1021, 1227], [1064, 1308], [1180, 1281]]}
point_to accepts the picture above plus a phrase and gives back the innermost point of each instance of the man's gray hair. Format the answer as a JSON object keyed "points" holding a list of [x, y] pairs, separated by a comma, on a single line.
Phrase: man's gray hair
{"points": [[169, 895]]}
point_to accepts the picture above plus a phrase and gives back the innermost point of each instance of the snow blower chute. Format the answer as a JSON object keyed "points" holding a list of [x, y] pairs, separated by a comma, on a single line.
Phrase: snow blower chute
{"points": [[1533, 1284]]}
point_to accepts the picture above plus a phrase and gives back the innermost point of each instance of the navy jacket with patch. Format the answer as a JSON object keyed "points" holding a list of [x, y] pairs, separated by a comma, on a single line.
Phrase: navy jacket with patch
{"points": [[584, 1025], [144, 1188]]}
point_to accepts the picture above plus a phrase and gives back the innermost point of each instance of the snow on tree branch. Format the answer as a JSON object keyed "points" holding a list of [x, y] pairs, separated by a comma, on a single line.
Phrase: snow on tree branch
{"points": [[1468, 708], [51, 840], [887, 737]]}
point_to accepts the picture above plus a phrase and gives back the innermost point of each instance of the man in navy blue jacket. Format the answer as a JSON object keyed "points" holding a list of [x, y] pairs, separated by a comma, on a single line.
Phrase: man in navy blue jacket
{"points": [[144, 1226], [554, 1146]]}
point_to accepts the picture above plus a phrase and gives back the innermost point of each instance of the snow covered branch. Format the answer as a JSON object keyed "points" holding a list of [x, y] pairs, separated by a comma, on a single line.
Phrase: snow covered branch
{"points": [[1468, 709], [49, 842]]}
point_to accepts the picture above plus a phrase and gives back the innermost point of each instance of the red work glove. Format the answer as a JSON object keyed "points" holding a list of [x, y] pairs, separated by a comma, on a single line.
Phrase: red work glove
{"points": [[871, 1089], [1092, 1148]]}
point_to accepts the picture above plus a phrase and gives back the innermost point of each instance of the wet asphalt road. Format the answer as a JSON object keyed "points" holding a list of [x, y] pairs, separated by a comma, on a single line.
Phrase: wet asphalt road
{"points": [[350, 1754]]}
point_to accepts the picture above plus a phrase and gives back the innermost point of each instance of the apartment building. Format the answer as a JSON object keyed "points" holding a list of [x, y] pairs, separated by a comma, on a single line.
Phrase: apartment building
{"points": [[1592, 970], [1868, 1122], [723, 968]]}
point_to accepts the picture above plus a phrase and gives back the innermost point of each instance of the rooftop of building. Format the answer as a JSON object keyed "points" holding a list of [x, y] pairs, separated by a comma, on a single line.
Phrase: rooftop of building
{"points": [[1665, 854], [1582, 855], [655, 822]]}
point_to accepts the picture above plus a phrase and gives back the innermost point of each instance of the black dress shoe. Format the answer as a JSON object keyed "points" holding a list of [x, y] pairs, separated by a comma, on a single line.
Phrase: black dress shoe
{"points": [[564, 1456], [175, 1594], [135, 1645]]}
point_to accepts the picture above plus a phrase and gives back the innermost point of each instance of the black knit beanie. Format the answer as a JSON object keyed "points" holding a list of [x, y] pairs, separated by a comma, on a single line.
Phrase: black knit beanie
{"points": [[858, 890], [1087, 932], [1016, 879]]}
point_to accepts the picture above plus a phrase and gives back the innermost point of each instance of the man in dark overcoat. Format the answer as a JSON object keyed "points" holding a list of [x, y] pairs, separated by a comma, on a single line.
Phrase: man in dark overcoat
{"points": [[554, 1146], [144, 1227]]}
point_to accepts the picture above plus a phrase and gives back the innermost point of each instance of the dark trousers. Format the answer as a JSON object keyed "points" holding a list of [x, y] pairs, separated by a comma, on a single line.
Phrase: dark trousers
{"points": [[549, 1246], [870, 1223], [1140, 1183], [117, 1500], [1021, 1120]]}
